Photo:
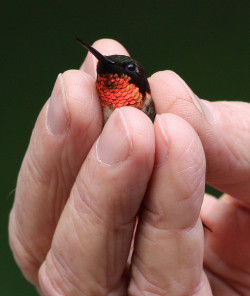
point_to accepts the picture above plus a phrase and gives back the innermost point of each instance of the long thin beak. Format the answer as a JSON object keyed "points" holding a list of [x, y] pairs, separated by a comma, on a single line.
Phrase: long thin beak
{"points": [[96, 53]]}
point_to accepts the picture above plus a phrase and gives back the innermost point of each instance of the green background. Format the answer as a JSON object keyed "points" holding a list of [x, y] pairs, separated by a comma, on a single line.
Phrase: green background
{"points": [[205, 42]]}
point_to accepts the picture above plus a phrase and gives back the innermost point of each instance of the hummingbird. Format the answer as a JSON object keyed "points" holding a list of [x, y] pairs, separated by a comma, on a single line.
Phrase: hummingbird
{"points": [[121, 81]]}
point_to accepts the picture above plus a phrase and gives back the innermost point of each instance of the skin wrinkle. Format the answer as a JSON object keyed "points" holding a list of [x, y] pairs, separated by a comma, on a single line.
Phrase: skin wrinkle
{"points": [[115, 282], [236, 163], [34, 169], [198, 165], [35, 251], [186, 199], [216, 277], [232, 109], [82, 198], [191, 146], [162, 290], [64, 171], [198, 289], [29, 260], [75, 164], [49, 286], [238, 206], [189, 193], [121, 226], [106, 289], [184, 227], [88, 198], [232, 152], [56, 193], [60, 267], [102, 220], [179, 203], [152, 241], [243, 202], [92, 275], [228, 266], [135, 288], [107, 260], [59, 190], [137, 270], [201, 185], [133, 188], [217, 159], [33, 258], [73, 219], [224, 268], [194, 188], [236, 157], [183, 108], [188, 229]]}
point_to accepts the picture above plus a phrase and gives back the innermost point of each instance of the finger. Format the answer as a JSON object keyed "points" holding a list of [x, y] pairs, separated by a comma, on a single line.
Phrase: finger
{"points": [[64, 132], [106, 47], [231, 223], [223, 128], [92, 241], [168, 255]]}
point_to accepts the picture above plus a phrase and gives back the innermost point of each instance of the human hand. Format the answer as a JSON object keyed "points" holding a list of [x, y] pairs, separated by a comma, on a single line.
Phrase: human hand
{"points": [[97, 187]]}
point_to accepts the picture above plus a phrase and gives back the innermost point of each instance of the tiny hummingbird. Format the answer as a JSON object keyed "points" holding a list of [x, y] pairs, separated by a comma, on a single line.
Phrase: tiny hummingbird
{"points": [[121, 81]]}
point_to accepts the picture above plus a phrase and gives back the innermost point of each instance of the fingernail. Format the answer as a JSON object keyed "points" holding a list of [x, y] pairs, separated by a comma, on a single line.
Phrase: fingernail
{"points": [[57, 115], [114, 144], [161, 142], [207, 108], [197, 102]]}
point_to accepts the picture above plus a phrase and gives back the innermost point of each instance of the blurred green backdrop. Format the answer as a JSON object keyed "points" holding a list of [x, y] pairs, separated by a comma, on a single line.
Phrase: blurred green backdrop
{"points": [[205, 42]]}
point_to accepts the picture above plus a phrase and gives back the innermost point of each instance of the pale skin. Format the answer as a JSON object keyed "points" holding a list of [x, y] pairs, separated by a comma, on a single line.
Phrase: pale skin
{"points": [[80, 189]]}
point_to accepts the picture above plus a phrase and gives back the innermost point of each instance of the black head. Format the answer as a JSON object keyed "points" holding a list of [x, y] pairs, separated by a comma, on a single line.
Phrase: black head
{"points": [[120, 64]]}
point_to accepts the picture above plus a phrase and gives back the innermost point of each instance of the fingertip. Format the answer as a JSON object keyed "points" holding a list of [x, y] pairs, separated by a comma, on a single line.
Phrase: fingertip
{"points": [[82, 100], [142, 132], [172, 80], [106, 47], [182, 160], [110, 46], [114, 144], [181, 135]]}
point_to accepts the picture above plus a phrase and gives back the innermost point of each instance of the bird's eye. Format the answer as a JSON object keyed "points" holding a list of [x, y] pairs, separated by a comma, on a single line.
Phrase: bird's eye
{"points": [[131, 67]]}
